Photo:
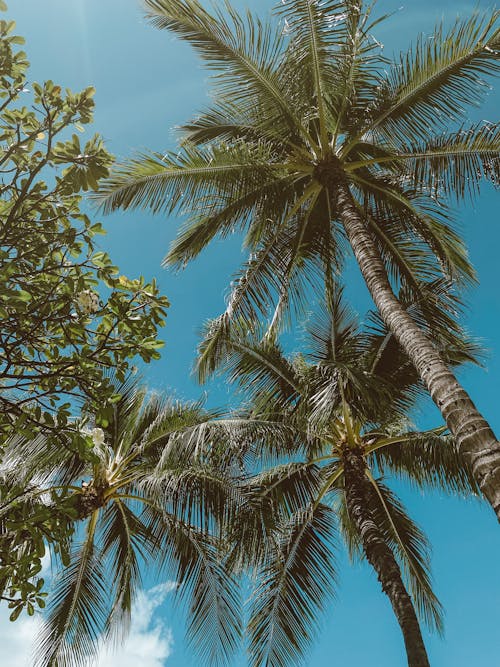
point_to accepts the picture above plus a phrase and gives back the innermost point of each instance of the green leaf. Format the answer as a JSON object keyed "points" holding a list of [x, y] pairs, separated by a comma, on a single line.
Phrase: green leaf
{"points": [[15, 614], [24, 296]]}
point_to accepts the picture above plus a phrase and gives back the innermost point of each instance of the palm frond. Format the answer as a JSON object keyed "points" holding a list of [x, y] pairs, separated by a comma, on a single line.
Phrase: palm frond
{"points": [[200, 495], [286, 488], [266, 500], [412, 550], [269, 276], [454, 163], [230, 212], [432, 84], [125, 540], [355, 68], [428, 460], [259, 366], [242, 50], [249, 436], [41, 461], [192, 557], [344, 371], [227, 121], [407, 259], [251, 539], [313, 28], [78, 609], [333, 331], [166, 182], [417, 225], [170, 435], [293, 586]]}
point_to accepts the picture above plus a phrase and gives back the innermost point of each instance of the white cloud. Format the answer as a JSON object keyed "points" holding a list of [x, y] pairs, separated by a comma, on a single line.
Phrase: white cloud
{"points": [[16, 639], [149, 643]]}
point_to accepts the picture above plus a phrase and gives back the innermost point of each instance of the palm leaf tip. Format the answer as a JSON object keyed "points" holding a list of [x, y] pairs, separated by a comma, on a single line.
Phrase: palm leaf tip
{"points": [[429, 460], [413, 552], [77, 612], [245, 51], [209, 589], [140, 183], [293, 587]]}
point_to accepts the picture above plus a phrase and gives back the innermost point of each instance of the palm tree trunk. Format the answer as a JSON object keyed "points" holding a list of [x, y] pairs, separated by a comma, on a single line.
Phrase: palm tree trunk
{"points": [[476, 441], [380, 556]]}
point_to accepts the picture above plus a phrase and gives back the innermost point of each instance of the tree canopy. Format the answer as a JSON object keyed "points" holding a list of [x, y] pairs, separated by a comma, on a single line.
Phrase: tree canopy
{"points": [[317, 144], [67, 314], [314, 142]]}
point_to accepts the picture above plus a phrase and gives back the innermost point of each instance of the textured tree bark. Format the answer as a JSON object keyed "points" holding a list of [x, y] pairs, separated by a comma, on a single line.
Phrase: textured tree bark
{"points": [[474, 437], [358, 498]]}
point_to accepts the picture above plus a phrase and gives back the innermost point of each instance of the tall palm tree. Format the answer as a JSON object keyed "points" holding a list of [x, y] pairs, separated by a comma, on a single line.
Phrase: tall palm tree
{"points": [[153, 495], [314, 139], [343, 405]]}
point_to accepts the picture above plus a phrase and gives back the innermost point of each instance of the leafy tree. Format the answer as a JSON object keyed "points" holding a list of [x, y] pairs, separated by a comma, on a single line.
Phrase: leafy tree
{"points": [[29, 521], [338, 425], [154, 493], [66, 313], [314, 139]]}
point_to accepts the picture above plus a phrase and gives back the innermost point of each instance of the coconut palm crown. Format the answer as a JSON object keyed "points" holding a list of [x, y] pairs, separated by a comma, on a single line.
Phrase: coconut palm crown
{"points": [[345, 405], [152, 494], [315, 142]]}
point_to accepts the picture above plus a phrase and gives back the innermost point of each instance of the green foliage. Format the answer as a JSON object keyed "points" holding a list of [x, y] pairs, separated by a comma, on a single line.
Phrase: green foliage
{"points": [[29, 523], [155, 492], [66, 312], [412, 548], [293, 98], [292, 586], [349, 390]]}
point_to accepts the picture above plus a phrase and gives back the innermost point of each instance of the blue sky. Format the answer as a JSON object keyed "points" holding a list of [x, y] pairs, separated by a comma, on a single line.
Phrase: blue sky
{"points": [[147, 83]]}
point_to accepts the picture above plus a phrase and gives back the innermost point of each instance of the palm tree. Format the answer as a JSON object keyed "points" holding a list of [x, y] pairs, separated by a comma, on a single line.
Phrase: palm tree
{"points": [[343, 405], [152, 494], [314, 139]]}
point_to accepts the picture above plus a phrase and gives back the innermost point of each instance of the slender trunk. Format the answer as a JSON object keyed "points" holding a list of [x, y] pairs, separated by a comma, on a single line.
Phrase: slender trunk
{"points": [[475, 439], [358, 497]]}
